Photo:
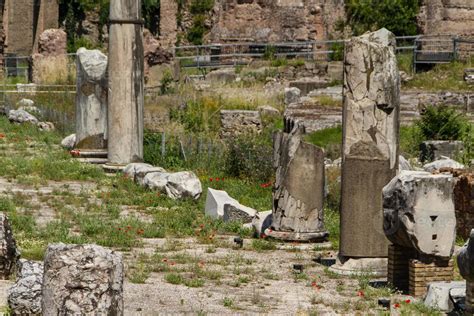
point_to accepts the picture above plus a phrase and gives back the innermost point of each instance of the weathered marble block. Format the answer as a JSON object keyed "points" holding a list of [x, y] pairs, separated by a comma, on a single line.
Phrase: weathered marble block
{"points": [[298, 195], [370, 141], [82, 280], [91, 99], [419, 213]]}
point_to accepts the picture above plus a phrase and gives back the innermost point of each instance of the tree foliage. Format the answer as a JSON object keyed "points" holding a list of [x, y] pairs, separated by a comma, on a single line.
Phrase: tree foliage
{"points": [[398, 16]]}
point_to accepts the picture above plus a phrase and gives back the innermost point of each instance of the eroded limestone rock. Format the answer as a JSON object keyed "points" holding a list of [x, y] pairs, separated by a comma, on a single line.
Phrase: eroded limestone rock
{"points": [[24, 297], [82, 279], [419, 213], [68, 142], [298, 194], [238, 212], [21, 116], [370, 140], [9, 254], [137, 171], [177, 185], [292, 95], [91, 99]]}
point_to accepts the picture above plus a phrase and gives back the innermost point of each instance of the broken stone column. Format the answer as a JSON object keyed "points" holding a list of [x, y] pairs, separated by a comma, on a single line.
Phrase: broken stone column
{"points": [[298, 195], [419, 219], [91, 100], [82, 279], [466, 269], [9, 254], [370, 141], [126, 84]]}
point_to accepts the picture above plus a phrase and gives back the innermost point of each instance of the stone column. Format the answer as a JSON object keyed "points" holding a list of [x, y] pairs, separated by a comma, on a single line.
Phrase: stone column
{"points": [[91, 100], [82, 280], [298, 193], [125, 73], [370, 141]]}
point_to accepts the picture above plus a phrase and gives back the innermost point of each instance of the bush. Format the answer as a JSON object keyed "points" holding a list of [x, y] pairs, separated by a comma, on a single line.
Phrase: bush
{"points": [[250, 157], [398, 16], [201, 6], [196, 32], [442, 123]]}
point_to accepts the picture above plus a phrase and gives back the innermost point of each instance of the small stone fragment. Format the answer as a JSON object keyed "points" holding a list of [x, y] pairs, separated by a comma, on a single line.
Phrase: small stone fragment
{"points": [[292, 95], [137, 171], [69, 141], [46, 126], [262, 221]]}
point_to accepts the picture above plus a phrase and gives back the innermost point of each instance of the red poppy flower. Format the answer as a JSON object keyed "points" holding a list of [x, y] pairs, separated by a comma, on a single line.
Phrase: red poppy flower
{"points": [[165, 260], [396, 305], [408, 301], [360, 294], [2, 135], [210, 179]]}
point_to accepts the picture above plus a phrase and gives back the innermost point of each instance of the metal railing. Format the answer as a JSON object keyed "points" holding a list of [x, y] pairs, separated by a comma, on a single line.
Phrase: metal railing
{"points": [[224, 55]]}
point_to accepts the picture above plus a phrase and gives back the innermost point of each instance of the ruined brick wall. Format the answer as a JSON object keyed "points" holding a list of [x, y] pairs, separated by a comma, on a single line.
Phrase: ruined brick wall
{"points": [[168, 22], [23, 22], [454, 17], [274, 20]]}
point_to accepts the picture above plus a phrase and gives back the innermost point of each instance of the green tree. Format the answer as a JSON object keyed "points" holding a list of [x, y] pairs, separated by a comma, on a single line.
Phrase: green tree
{"points": [[398, 16]]}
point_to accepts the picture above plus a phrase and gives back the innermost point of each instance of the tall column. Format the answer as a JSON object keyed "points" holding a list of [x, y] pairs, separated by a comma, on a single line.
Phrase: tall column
{"points": [[125, 79], [370, 141]]}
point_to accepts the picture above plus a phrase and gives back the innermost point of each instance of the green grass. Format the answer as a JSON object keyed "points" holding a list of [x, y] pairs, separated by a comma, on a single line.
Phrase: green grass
{"points": [[443, 77], [326, 137]]}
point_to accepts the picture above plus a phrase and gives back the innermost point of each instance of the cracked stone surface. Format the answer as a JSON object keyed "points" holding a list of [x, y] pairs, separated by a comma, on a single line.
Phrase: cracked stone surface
{"points": [[370, 140], [419, 213], [298, 194], [85, 279]]}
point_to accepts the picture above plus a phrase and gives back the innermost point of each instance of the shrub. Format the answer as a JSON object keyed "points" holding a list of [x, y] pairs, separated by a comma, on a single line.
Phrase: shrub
{"points": [[201, 6], [249, 156], [398, 16], [442, 123], [196, 32]]}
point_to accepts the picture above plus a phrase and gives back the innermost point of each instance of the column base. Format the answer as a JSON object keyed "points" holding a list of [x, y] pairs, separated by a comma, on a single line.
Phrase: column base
{"points": [[374, 267], [315, 237], [92, 156], [113, 168]]}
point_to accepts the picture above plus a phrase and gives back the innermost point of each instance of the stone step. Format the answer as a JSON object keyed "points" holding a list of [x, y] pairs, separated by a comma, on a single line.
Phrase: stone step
{"points": [[94, 161]]}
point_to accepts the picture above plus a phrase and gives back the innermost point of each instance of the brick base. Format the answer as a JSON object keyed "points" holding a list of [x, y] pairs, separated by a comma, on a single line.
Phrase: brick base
{"points": [[420, 274], [398, 266]]}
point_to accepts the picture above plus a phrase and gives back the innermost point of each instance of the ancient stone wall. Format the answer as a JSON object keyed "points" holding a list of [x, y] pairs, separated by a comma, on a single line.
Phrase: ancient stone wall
{"points": [[455, 17], [168, 22], [274, 21], [25, 20]]}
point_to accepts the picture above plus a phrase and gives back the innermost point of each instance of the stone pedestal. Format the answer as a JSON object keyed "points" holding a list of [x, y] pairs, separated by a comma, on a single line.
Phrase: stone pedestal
{"points": [[82, 279], [298, 194], [423, 273], [126, 83], [370, 141], [91, 100]]}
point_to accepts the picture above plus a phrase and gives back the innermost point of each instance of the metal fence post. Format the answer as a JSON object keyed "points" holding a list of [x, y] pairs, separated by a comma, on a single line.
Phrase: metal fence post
{"points": [[163, 145]]}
